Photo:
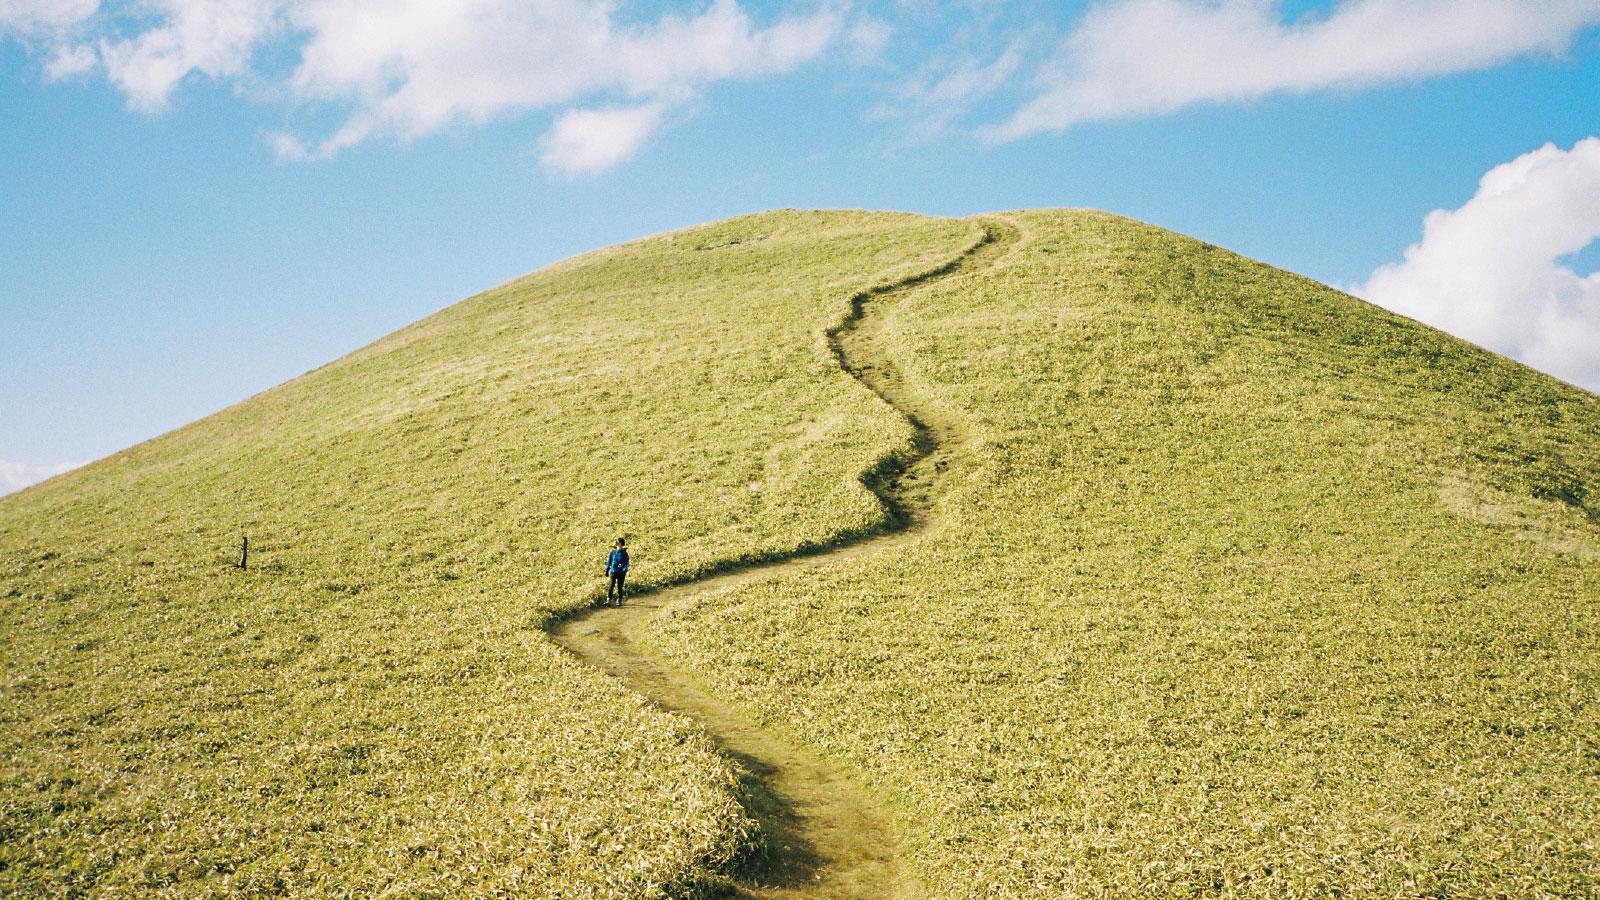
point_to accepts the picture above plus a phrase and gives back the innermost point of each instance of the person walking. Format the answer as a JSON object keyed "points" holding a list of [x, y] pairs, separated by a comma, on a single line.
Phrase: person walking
{"points": [[617, 569]]}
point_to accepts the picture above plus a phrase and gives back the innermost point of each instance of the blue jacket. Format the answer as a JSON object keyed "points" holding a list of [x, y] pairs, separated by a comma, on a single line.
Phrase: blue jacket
{"points": [[617, 564]]}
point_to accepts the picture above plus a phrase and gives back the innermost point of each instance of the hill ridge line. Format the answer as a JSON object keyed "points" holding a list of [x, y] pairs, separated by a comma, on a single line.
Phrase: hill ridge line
{"points": [[821, 835]]}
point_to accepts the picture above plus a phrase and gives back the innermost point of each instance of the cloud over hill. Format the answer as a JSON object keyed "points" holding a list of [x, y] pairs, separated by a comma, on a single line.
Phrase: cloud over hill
{"points": [[1495, 271]]}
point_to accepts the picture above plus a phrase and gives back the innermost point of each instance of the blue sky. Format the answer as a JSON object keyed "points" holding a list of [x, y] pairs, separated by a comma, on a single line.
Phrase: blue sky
{"points": [[203, 198]]}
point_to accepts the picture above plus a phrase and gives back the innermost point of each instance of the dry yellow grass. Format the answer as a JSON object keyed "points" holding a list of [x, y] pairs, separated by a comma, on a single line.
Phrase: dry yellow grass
{"points": [[1196, 621], [1198, 617], [374, 705]]}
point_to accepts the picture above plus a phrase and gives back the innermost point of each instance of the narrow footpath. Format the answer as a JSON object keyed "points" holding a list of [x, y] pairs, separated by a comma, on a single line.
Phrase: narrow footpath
{"points": [[825, 837]]}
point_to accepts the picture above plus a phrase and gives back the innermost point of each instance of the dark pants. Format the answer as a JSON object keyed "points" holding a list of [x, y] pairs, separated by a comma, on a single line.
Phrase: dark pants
{"points": [[614, 589]]}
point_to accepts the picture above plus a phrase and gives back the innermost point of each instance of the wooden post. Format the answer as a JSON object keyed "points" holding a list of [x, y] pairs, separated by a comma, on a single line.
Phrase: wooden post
{"points": [[244, 552]]}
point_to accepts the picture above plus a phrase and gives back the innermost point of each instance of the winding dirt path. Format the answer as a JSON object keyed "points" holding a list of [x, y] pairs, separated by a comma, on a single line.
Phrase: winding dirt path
{"points": [[824, 836]]}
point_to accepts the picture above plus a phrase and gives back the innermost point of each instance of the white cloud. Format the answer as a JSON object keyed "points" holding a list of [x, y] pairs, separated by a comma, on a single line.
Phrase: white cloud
{"points": [[410, 67], [589, 140], [35, 15], [16, 476], [70, 60], [407, 68], [211, 37], [287, 146], [1149, 57], [947, 89], [1492, 271], [868, 38]]}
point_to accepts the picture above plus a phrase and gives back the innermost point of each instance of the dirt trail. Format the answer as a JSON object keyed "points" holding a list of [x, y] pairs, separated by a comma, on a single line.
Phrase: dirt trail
{"points": [[825, 837]]}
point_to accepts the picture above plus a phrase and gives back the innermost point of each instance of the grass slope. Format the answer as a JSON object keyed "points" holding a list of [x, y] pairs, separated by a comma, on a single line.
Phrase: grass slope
{"points": [[373, 707], [1238, 585], [1243, 587]]}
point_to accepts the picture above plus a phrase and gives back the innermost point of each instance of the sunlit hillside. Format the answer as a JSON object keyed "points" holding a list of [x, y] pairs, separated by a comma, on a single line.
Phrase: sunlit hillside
{"points": [[1226, 583]]}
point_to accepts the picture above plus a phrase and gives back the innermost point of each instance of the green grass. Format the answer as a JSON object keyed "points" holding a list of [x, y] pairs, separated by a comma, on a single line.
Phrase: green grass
{"points": [[1239, 586], [1243, 587], [374, 706]]}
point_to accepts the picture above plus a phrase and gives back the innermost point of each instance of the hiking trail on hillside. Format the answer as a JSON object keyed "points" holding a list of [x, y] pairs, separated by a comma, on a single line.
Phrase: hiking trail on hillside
{"points": [[823, 835]]}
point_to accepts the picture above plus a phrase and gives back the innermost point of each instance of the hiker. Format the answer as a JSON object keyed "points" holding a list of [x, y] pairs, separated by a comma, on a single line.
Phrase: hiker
{"points": [[617, 568]]}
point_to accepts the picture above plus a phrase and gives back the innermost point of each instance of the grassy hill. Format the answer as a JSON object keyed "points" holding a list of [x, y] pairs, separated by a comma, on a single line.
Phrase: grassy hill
{"points": [[374, 704], [1244, 586], [1235, 585]]}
